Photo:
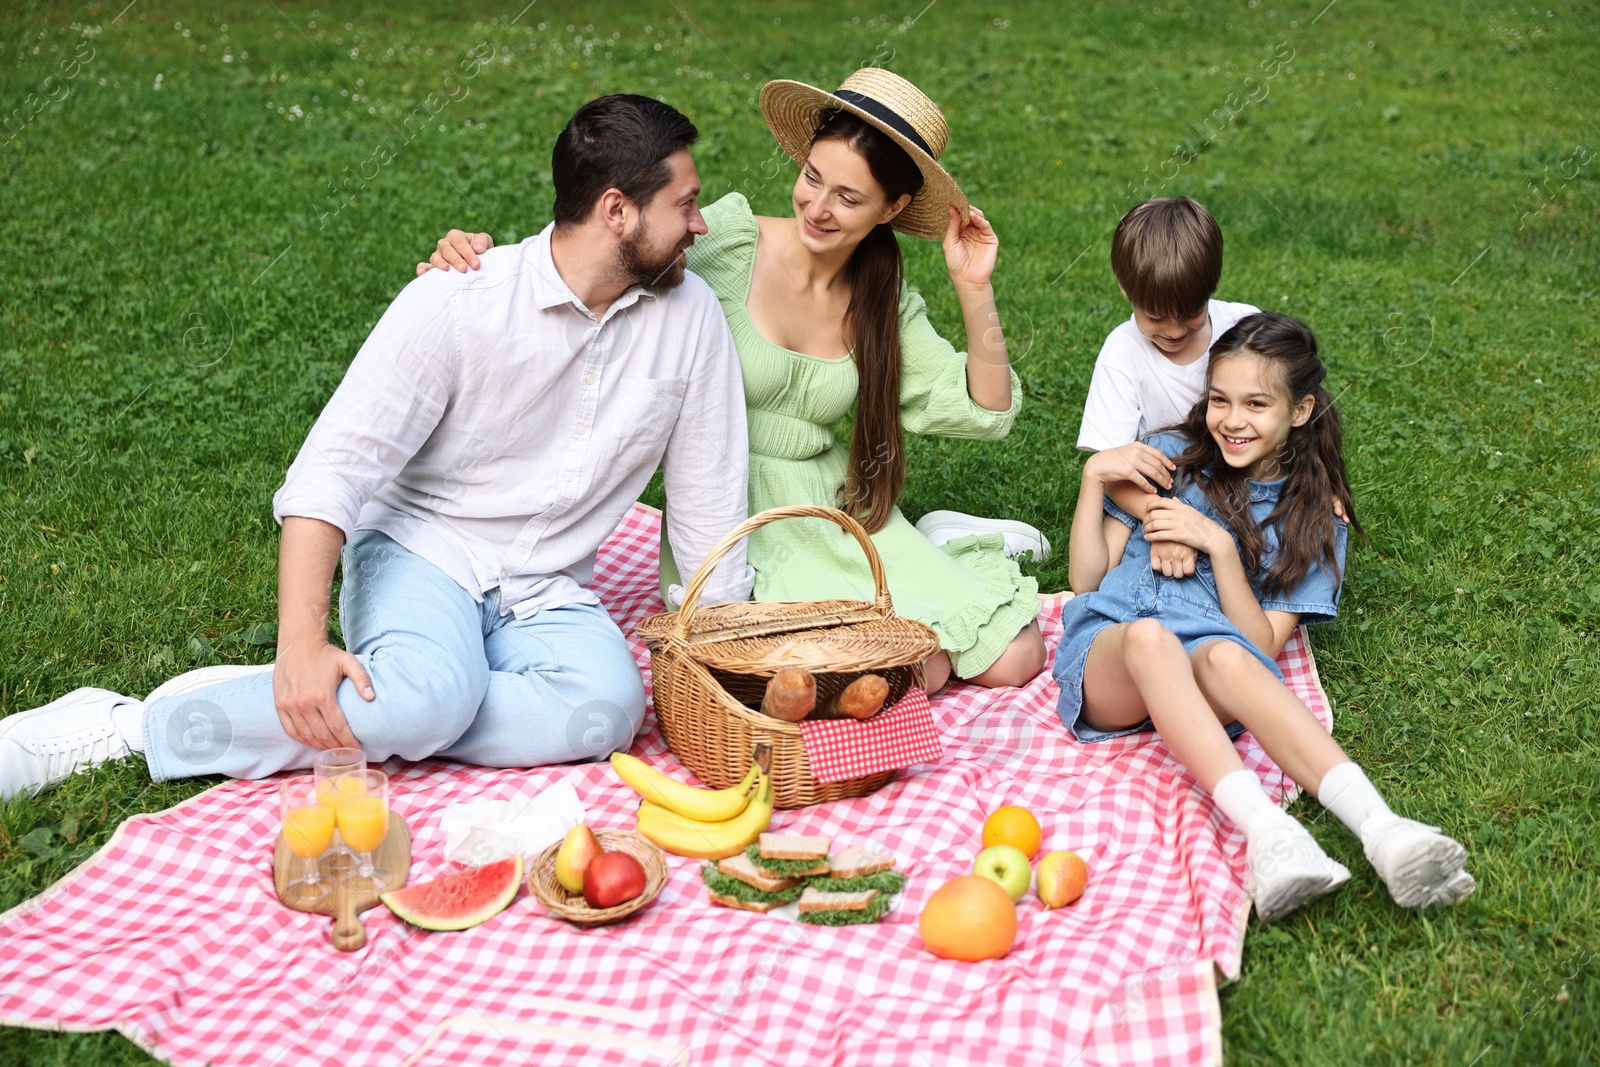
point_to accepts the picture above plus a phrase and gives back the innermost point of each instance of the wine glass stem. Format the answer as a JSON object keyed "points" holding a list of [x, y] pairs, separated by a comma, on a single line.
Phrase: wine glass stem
{"points": [[312, 876], [366, 864]]}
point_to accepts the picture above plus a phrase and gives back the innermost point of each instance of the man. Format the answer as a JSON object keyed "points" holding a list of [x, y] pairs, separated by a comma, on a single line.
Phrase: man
{"points": [[486, 439]]}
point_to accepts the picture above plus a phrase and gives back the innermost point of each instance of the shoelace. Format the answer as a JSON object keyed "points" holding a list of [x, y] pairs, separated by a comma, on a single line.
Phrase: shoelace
{"points": [[62, 758]]}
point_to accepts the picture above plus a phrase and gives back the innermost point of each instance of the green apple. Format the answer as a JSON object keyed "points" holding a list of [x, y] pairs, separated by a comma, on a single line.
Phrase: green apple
{"points": [[572, 858], [1007, 865]]}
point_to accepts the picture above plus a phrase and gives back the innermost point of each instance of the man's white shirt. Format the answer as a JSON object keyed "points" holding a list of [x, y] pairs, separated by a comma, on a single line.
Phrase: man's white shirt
{"points": [[493, 426]]}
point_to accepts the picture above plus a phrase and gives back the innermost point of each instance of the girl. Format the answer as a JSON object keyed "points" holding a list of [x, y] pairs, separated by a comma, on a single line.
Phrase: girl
{"points": [[823, 321], [1250, 474]]}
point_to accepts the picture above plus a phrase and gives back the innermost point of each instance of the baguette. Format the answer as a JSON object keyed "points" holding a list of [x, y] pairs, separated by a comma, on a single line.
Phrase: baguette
{"points": [[861, 699], [791, 695]]}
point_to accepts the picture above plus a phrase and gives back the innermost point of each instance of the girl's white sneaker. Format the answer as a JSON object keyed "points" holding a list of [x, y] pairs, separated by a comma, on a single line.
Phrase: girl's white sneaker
{"points": [[1288, 869], [1021, 539], [1420, 865], [43, 747]]}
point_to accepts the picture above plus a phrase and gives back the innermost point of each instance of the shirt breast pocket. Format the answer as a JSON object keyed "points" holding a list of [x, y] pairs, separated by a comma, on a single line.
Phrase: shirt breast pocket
{"points": [[644, 411]]}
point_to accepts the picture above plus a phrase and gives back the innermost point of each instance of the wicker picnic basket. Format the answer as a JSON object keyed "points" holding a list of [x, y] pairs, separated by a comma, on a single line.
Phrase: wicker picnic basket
{"points": [[711, 666]]}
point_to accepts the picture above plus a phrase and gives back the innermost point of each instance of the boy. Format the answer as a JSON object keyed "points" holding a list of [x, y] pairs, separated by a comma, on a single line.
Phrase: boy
{"points": [[1167, 256]]}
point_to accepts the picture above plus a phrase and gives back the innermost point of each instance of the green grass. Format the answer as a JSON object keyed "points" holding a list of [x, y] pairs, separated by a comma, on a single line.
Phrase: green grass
{"points": [[180, 299]]}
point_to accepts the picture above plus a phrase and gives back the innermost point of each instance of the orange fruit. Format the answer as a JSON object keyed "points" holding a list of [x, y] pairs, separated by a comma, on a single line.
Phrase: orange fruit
{"points": [[1013, 826], [969, 918]]}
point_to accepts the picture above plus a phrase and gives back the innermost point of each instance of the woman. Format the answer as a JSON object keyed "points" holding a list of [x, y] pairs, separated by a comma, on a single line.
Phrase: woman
{"points": [[822, 320]]}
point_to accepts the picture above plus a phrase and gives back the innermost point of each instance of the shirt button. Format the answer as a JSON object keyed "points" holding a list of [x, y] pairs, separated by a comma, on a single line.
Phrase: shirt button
{"points": [[588, 379], [582, 430], [570, 477]]}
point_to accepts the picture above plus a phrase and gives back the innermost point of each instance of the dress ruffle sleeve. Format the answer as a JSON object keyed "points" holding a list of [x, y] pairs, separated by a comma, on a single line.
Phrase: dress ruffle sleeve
{"points": [[933, 384], [725, 254]]}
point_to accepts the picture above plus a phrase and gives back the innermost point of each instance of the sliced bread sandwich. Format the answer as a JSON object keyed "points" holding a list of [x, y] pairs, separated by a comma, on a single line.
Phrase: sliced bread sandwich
{"points": [[741, 866], [813, 900], [858, 862], [842, 909], [790, 855], [736, 883], [729, 900]]}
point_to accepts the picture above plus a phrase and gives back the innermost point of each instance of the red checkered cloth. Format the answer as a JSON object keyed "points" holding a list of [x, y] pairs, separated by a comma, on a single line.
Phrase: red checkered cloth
{"points": [[902, 735], [171, 934]]}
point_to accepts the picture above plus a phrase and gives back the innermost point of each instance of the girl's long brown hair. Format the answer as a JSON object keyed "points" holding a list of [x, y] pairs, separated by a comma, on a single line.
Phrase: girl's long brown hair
{"points": [[876, 272], [1311, 462]]}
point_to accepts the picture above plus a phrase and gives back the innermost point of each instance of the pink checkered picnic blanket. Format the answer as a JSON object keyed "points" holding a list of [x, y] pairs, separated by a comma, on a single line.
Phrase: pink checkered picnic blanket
{"points": [[838, 749], [171, 934]]}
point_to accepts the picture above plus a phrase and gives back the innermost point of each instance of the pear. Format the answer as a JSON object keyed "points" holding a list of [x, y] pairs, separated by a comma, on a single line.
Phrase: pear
{"points": [[1062, 876], [572, 858]]}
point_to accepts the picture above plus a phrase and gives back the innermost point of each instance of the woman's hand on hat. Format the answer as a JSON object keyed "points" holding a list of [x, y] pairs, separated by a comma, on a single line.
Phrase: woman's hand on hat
{"points": [[457, 249], [970, 249]]}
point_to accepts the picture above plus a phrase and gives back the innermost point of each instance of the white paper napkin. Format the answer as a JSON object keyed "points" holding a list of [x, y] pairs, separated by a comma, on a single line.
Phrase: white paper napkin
{"points": [[483, 831]]}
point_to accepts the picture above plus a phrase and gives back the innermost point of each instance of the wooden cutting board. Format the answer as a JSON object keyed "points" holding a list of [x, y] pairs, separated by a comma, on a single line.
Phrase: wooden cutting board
{"points": [[344, 904]]}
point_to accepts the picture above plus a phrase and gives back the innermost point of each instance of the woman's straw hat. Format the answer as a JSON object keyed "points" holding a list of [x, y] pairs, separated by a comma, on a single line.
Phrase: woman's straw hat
{"points": [[793, 111]]}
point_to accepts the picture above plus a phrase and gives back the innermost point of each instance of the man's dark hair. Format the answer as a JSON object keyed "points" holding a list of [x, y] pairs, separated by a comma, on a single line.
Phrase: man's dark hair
{"points": [[615, 142]]}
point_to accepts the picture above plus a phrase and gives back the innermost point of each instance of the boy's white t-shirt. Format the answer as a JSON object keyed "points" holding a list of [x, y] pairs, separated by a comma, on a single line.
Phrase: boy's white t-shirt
{"points": [[1136, 390]]}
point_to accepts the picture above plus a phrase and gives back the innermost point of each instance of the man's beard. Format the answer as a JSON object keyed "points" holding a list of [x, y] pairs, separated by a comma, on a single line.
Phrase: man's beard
{"points": [[634, 263]]}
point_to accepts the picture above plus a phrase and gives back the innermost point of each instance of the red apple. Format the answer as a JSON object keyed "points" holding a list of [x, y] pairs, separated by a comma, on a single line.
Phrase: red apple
{"points": [[612, 878]]}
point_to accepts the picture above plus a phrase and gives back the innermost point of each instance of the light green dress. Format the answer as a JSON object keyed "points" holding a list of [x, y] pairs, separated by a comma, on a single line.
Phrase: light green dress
{"points": [[972, 596]]}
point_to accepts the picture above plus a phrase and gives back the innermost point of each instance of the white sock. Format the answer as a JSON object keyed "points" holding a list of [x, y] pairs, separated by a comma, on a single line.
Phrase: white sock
{"points": [[1347, 793], [129, 720], [1241, 798]]}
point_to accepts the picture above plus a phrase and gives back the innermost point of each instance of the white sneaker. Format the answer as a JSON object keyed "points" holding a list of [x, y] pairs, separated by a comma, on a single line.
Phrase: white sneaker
{"points": [[1021, 539], [42, 747], [1288, 869], [1420, 865], [189, 681], [1452, 891]]}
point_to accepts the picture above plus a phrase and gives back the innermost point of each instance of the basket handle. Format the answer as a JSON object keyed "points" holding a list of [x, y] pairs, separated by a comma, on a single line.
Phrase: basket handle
{"points": [[691, 596]]}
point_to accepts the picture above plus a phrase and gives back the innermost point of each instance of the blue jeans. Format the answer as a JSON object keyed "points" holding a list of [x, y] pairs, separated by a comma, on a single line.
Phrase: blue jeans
{"points": [[453, 678]]}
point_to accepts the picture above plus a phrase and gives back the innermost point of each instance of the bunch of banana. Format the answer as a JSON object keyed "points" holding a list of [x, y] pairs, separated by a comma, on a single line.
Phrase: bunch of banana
{"points": [[700, 823], [705, 805], [708, 840]]}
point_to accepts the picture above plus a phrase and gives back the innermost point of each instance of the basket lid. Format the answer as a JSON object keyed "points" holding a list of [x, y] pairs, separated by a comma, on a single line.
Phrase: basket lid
{"points": [[822, 635]]}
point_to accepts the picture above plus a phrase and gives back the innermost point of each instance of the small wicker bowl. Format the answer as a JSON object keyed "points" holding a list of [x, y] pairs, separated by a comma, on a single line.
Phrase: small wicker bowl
{"points": [[572, 907]]}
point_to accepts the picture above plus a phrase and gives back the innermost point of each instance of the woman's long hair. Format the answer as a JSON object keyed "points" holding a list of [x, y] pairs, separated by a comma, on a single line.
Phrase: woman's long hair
{"points": [[876, 272], [1311, 461]]}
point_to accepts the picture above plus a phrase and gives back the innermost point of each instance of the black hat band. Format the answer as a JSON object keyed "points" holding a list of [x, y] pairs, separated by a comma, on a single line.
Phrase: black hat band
{"points": [[886, 116]]}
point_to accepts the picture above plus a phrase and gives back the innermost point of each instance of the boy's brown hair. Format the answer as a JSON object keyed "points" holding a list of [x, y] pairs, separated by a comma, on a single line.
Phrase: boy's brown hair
{"points": [[1167, 256]]}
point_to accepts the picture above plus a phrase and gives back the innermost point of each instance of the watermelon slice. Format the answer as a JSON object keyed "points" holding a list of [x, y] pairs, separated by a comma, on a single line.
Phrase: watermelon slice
{"points": [[458, 901]]}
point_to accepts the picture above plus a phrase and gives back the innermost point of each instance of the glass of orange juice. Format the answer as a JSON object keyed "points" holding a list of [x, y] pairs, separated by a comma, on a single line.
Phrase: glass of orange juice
{"points": [[361, 802], [328, 766], [308, 831], [331, 763]]}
